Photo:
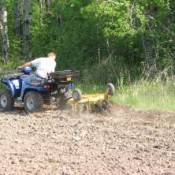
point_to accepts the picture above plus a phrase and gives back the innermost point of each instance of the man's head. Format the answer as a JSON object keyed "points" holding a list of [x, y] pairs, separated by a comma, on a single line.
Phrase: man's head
{"points": [[51, 55]]}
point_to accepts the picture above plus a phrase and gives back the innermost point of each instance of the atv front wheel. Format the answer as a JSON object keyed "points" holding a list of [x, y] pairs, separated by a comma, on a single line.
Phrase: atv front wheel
{"points": [[6, 101], [33, 101]]}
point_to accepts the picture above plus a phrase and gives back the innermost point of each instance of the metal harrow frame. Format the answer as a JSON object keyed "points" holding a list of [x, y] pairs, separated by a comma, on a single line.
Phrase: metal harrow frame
{"points": [[92, 102]]}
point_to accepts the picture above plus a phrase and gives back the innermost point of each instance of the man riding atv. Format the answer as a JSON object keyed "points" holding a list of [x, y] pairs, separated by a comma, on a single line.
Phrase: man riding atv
{"points": [[43, 66], [47, 86]]}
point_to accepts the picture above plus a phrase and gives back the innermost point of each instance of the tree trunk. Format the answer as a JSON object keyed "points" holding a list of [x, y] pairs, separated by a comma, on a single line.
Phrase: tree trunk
{"points": [[48, 2], [41, 6], [17, 21], [3, 33], [27, 13], [150, 57]]}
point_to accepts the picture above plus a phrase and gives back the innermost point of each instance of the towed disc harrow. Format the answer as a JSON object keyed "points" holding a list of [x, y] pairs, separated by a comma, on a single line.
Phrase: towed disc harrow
{"points": [[98, 103]]}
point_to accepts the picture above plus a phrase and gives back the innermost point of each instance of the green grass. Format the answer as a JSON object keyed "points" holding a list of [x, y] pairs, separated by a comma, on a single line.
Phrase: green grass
{"points": [[147, 95]]}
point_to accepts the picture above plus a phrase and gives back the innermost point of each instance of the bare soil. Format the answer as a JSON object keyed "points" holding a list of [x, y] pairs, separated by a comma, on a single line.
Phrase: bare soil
{"points": [[53, 142]]}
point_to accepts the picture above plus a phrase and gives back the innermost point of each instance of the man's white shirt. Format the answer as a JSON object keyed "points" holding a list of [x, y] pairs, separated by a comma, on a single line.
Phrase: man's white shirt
{"points": [[44, 66]]}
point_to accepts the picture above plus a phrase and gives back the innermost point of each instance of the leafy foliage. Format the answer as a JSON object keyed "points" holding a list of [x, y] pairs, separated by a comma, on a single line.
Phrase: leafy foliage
{"points": [[108, 40]]}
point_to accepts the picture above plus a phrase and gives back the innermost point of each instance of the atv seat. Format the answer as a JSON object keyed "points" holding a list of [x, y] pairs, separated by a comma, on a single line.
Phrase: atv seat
{"points": [[41, 83]]}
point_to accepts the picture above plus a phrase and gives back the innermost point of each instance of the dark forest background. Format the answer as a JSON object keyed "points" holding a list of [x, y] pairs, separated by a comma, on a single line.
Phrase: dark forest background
{"points": [[107, 40]]}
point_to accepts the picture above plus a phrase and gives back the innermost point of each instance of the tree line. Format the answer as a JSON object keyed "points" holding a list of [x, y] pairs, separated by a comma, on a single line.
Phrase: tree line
{"points": [[113, 38]]}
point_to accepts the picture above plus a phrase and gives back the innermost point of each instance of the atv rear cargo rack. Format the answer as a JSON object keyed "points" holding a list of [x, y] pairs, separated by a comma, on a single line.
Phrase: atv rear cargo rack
{"points": [[65, 76]]}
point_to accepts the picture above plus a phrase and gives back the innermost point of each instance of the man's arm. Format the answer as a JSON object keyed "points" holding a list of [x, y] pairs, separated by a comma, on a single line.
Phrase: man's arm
{"points": [[24, 65]]}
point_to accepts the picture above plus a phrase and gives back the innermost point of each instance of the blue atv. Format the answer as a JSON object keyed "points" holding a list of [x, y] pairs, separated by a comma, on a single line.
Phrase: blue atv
{"points": [[57, 89]]}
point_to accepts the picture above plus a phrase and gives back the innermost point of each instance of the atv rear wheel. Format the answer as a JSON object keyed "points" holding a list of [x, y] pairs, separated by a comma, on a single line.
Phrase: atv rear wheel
{"points": [[6, 101], [33, 101]]}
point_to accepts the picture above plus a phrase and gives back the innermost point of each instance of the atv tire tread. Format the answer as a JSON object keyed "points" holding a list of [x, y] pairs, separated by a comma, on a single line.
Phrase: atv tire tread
{"points": [[37, 101], [10, 100]]}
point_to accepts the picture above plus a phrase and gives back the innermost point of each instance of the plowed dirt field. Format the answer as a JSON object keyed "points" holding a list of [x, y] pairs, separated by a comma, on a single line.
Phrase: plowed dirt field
{"points": [[53, 142]]}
